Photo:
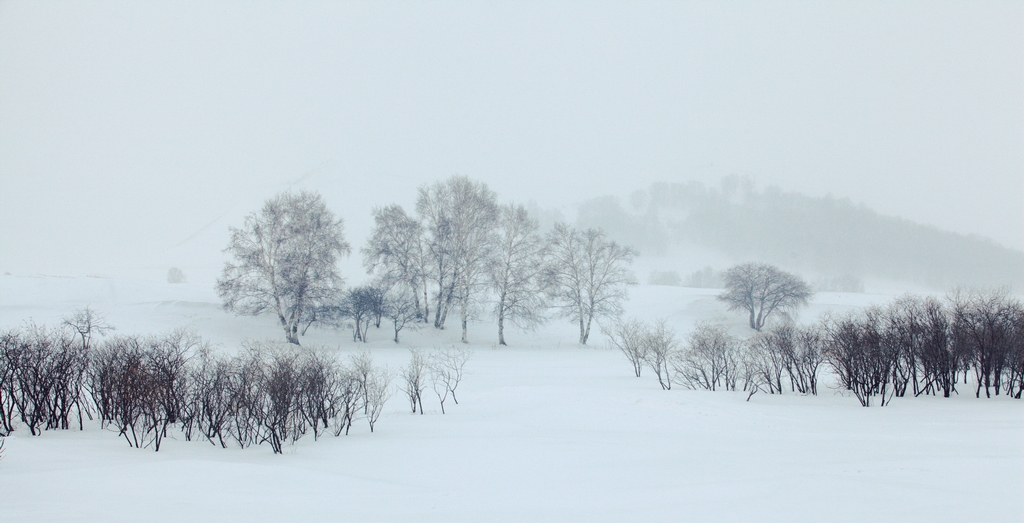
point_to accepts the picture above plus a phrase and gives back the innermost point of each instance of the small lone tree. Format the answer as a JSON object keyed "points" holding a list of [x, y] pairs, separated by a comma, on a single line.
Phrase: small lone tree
{"points": [[761, 289], [284, 261]]}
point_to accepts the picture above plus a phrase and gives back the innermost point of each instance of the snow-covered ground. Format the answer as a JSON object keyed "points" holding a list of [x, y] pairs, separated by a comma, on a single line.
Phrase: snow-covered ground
{"points": [[545, 431]]}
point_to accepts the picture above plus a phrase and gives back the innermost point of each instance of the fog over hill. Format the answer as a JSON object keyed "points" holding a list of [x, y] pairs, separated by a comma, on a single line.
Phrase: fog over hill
{"points": [[821, 236]]}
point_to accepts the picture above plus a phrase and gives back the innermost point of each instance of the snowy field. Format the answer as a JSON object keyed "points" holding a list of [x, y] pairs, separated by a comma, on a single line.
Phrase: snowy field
{"points": [[545, 431]]}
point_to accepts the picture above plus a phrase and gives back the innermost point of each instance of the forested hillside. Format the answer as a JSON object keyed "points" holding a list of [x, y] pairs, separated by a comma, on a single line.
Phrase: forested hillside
{"points": [[822, 235]]}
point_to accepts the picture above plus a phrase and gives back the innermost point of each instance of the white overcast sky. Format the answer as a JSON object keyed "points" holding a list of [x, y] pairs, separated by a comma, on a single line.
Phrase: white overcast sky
{"points": [[127, 128]]}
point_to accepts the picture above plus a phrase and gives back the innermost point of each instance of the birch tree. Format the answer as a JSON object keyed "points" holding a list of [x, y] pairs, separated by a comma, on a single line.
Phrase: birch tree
{"points": [[395, 253], [587, 275], [284, 261], [459, 217], [516, 270]]}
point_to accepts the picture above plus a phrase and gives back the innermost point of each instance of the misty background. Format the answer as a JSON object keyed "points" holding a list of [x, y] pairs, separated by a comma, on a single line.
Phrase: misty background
{"points": [[871, 140]]}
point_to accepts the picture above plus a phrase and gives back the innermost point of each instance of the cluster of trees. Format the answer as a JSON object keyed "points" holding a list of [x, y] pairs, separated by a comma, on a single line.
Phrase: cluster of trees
{"points": [[914, 345], [44, 373], [146, 386], [461, 252], [929, 346]]}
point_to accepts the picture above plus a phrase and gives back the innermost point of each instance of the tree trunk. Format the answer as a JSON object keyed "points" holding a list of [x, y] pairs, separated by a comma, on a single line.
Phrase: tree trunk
{"points": [[501, 320], [465, 320], [501, 327], [586, 333], [291, 332], [426, 303], [416, 299], [438, 322]]}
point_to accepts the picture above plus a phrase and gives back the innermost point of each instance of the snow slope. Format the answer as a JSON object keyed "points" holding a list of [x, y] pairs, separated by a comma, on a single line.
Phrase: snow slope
{"points": [[546, 431]]}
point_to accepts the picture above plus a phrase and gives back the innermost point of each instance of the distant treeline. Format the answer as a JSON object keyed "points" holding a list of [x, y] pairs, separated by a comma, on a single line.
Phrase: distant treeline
{"points": [[825, 235]]}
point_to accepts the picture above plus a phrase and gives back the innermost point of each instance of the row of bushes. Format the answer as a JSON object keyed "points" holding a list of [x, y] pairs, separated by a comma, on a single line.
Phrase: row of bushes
{"points": [[146, 386], [914, 345]]}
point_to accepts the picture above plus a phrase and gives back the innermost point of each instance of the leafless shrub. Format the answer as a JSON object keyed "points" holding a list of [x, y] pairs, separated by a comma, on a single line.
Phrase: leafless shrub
{"points": [[710, 359], [350, 395], [281, 422], [86, 324], [659, 348], [378, 391], [46, 370], [141, 385], [767, 355], [856, 352], [211, 395], [401, 309], [1015, 356], [11, 346], [318, 384], [983, 327], [414, 376], [804, 363], [446, 372], [362, 367], [628, 337], [245, 391]]}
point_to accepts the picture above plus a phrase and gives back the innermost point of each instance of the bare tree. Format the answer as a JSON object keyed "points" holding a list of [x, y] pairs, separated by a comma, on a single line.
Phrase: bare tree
{"points": [[12, 346], [395, 253], [414, 375], [767, 355], [360, 305], [362, 368], [318, 390], [629, 337], [804, 363], [211, 395], [660, 347], [983, 327], [460, 216], [939, 359], [400, 309], [1015, 355], [284, 260], [761, 289], [516, 270], [446, 371], [709, 360], [855, 350], [587, 275], [378, 391]]}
